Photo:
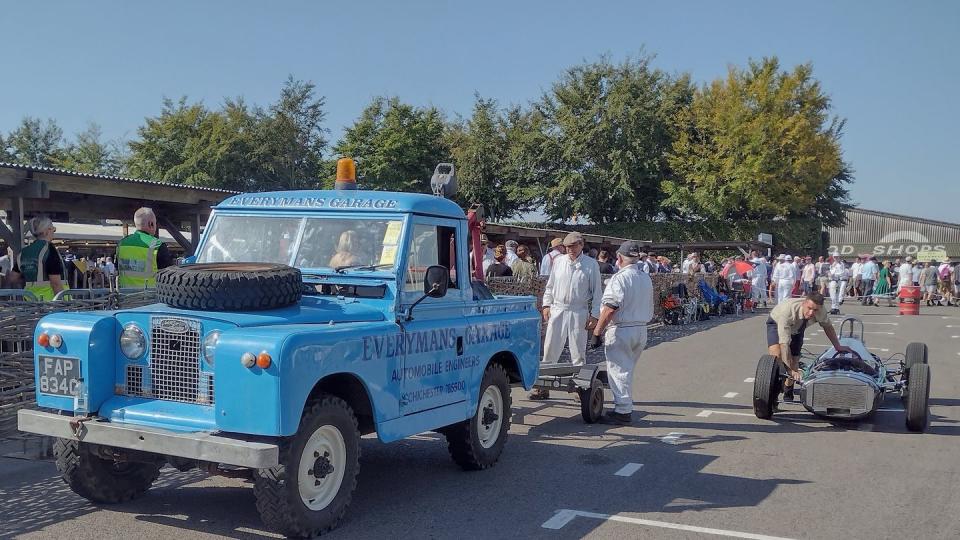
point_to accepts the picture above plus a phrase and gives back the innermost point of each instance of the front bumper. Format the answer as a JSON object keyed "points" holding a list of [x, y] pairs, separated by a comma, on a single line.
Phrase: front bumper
{"points": [[199, 445]]}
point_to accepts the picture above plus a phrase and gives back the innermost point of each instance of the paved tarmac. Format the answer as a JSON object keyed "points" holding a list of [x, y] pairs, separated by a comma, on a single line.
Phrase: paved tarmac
{"points": [[696, 464]]}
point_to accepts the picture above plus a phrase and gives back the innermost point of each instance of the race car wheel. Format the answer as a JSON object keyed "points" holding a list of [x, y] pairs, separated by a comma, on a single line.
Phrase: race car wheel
{"points": [[101, 480], [477, 443], [916, 354], [766, 386], [308, 492], [229, 286], [918, 395], [591, 402]]}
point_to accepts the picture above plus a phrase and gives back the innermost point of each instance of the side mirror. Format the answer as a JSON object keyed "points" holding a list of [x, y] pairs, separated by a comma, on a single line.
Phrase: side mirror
{"points": [[436, 281]]}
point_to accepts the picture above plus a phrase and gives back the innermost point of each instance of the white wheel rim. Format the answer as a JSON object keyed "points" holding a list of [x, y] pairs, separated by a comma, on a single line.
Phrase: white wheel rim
{"points": [[491, 403], [319, 484]]}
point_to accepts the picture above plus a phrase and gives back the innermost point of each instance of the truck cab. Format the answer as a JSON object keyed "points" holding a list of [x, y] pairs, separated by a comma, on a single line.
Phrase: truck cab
{"points": [[305, 320]]}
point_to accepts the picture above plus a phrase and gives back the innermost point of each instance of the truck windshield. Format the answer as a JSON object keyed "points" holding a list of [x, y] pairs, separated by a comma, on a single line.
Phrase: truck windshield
{"points": [[301, 241]]}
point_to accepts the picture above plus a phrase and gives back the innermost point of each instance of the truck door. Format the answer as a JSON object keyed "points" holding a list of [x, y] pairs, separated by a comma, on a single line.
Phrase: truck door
{"points": [[433, 341]]}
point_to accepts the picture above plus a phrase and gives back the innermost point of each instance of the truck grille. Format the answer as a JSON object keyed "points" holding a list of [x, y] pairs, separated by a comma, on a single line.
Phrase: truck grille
{"points": [[134, 385], [175, 360], [842, 396]]}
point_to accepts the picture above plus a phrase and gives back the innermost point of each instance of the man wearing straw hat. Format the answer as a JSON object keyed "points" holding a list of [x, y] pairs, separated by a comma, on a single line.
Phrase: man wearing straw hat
{"points": [[556, 250]]}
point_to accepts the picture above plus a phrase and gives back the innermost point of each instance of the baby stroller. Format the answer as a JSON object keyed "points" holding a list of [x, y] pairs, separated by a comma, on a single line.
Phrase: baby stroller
{"points": [[672, 308]]}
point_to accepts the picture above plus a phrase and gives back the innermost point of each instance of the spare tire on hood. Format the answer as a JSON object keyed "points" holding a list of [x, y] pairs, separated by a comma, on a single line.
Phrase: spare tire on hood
{"points": [[229, 286]]}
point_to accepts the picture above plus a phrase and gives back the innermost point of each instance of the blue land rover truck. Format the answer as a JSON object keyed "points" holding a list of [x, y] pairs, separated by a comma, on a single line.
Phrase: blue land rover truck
{"points": [[306, 320]]}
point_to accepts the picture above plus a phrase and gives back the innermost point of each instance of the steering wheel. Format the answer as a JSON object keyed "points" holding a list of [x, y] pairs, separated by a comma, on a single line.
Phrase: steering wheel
{"points": [[852, 352]]}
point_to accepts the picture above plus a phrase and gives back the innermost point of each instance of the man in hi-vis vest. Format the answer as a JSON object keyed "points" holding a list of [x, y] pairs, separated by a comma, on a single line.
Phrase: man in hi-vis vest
{"points": [[39, 265], [141, 254]]}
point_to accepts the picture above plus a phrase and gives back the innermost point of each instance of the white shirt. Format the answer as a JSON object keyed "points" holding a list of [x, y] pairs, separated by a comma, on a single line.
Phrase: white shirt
{"points": [[760, 270], [630, 291], [785, 271], [906, 274], [838, 271], [856, 268], [915, 274], [511, 257], [547, 263], [574, 285], [685, 265]]}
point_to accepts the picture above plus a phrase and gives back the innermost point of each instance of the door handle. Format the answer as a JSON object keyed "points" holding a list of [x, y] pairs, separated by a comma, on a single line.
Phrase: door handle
{"points": [[459, 345]]}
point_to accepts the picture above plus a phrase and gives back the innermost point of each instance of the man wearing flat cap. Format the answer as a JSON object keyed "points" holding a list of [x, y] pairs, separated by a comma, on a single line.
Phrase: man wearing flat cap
{"points": [[571, 305], [627, 307], [556, 250]]}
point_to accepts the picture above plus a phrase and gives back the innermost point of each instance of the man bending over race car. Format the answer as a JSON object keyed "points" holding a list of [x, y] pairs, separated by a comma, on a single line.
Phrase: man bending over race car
{"points": [[785, 327]]}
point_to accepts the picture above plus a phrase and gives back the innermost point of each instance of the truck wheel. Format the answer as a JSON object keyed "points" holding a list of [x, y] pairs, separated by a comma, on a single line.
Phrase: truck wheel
{"points": [[229, 286], [766, 386], [591, 402], [916, 354], [476, 443], [918, 394], [309, 491], [101, 480]]}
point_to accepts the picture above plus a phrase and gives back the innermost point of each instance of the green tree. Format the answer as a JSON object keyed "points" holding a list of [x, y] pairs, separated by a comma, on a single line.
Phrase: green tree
{"points": [[396, 145], [89, 153], [290, 139], [608, 128], [237, 147], [36, 142], [496, 155], [759, 144]]}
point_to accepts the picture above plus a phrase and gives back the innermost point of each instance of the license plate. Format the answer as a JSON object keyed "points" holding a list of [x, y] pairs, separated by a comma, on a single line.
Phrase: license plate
{"points": [[59, 375]]}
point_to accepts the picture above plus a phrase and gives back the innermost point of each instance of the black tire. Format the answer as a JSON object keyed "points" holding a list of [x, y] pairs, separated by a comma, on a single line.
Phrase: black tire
{"points": [[464, 438], [591, 402], [918, 395], [766, 386], [277, 489], [916, 354], [229, 286], [101, 480]]}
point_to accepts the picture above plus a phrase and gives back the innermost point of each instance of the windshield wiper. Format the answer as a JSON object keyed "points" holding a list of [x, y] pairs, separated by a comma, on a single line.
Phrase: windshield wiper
{"points": [[342, 269]]}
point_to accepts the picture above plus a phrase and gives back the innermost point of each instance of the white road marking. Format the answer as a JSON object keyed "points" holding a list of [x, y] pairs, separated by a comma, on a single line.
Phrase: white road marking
{"points": [[629, 469], [871, 322], [889, 410], [672, 438], [887, 333], [707, 412], [729, 395], [562, 517], [954, 337], [749, 379]]}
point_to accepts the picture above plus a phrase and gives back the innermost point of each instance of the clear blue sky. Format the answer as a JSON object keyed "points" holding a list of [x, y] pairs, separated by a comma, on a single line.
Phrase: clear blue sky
{"points": [[892, 68]]}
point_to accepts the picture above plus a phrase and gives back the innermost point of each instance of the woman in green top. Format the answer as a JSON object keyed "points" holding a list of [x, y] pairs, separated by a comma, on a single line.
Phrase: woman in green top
{"points": [[882, 287]]}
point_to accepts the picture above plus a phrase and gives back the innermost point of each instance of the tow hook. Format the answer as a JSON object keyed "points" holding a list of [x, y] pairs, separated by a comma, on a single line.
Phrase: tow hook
{"points": [[489, 416], [79, 430]]}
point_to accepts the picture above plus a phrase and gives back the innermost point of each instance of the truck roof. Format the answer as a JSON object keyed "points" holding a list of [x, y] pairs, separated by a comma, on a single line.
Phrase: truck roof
{"points": [[345, 200]]}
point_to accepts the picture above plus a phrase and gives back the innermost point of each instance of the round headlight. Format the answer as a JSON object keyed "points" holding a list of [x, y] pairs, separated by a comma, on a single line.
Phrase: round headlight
{"points": [[210, 346], [132, 342]]}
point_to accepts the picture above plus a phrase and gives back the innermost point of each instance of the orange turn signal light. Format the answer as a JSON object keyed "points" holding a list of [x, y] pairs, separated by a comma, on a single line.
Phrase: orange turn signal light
{"points": [[264, 360], [44, 339]]}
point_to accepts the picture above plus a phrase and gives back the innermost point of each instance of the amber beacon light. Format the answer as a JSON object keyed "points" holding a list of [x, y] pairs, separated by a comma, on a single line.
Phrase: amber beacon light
{"points": [[346, 174]]}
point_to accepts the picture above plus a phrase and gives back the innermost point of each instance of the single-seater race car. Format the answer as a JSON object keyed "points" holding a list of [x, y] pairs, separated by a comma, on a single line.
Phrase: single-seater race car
{"points": [[848, 386]]}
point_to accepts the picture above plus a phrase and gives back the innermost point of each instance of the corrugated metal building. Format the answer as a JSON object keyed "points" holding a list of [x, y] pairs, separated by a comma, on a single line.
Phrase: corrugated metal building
{"points": [[888, 236]]}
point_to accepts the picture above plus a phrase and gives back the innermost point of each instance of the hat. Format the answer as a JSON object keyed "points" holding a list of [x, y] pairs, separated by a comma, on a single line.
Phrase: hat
{"points": [[512, 244], [573, 238], [556, 242], [909, 258], [630, 248], [787, 258]]}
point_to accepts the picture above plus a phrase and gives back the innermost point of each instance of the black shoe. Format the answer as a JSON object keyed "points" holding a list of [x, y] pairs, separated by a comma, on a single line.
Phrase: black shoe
{"points": [[615, 418], [788, 394]]}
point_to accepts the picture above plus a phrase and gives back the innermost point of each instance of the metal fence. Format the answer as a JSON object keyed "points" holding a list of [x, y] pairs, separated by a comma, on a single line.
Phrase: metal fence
{"points": [[18, 319]]}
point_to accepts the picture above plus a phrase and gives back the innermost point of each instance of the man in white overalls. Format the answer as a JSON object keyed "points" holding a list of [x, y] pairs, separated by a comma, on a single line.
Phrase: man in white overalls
{"points": [[627, 307], [571, 305]]}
